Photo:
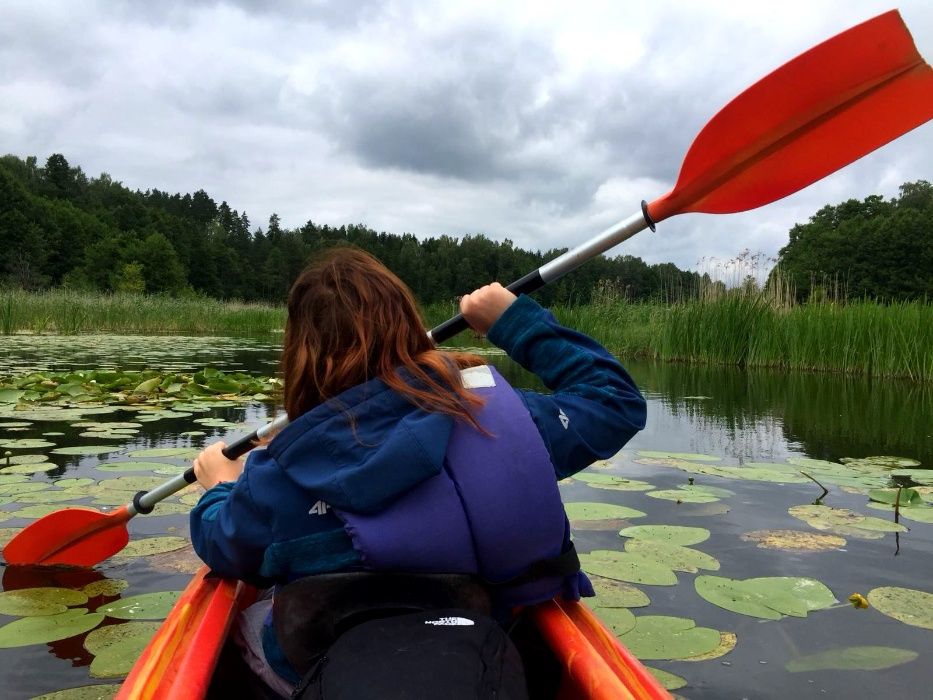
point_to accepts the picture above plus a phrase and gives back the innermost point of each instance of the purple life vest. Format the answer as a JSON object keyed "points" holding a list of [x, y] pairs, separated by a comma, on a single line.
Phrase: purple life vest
{"points": [[494, 510]]}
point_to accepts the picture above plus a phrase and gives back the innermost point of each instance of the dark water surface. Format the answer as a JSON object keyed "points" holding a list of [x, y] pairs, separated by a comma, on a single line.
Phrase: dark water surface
{"points": [[737, 416]]}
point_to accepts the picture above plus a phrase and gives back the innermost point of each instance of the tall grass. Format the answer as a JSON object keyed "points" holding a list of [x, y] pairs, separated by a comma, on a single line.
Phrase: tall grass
{"points": [[864, 338], [744, 327], [66, 312]]}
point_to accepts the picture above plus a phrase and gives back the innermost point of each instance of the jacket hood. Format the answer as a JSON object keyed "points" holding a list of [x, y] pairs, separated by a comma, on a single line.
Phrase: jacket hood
{"points": [[362, 449]]}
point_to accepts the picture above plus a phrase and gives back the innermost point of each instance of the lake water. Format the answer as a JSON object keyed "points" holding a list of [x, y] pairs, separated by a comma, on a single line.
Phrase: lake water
{"points": [[740, 418]]}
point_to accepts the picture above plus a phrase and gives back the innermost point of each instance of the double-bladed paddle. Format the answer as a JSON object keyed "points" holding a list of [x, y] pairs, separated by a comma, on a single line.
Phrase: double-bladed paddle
{"points": [[815, 114]]}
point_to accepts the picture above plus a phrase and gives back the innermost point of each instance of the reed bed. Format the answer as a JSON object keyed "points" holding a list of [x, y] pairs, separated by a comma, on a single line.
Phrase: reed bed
{"points": [[738, 328], [862, 338], [67, 312]]}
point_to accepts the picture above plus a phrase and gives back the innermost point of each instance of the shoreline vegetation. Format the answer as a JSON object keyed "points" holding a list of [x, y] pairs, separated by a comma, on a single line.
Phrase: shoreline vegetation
{"points": [[742, 327]]}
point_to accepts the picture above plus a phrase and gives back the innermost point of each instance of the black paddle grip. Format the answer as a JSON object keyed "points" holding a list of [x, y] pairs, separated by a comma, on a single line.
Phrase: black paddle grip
{"points": [[240, 447], [449, 328]]}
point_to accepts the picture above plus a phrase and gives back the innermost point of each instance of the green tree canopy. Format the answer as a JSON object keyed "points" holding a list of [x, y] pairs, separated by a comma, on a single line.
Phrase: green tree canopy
{"points": [[876, 248]]}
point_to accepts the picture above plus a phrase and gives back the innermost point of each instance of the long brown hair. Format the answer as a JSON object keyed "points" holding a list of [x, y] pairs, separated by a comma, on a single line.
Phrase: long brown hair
{"points": [[350, 319]]}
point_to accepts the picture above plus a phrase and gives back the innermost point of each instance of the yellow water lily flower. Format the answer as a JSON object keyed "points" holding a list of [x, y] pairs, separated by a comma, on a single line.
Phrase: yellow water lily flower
{"points": [[858, 600]]}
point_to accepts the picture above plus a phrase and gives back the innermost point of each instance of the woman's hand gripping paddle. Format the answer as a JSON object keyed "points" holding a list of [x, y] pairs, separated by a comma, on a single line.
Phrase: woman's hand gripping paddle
{"points": [[824, 109]]}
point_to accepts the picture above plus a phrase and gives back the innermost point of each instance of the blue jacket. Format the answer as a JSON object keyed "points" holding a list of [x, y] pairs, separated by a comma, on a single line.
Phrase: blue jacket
{"points": [[370, 445]]}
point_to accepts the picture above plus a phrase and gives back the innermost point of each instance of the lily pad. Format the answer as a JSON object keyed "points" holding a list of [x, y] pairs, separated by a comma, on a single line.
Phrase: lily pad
{"points": [[29, 468], [179, 561], [807, 462], [39, 601], [679, 496], [616, 594], [905, 498], [146, 606], [675, 556], [727, 642], [24, 459], [907, 605], [22, 487], [769, 597], [26, 444], [674, 534], [38, 510], [612, 483], [663, 637], [794, 540], [624, 566], [130, 466], [921, 514], [106, 587], [619, 620], [48, 628], [7, 534], [835, 519], [852, 659], [117, 647], [191, 499], [74, 482], [181, 452], [86, 450], [84, 692], [598, 511], [152, 545], [667, 679]]}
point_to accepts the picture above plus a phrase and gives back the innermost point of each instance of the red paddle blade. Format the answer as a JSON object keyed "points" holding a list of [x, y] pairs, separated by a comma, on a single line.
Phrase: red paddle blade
{"points": [[817, 113], [70, 537]]}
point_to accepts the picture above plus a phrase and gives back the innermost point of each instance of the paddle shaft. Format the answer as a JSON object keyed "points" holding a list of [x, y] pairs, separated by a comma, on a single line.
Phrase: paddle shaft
{"points": [[533, 281]]}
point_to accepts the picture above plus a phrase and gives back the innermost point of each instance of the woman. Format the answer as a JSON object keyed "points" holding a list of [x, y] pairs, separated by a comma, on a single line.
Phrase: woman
{"points": [[399, 456]]}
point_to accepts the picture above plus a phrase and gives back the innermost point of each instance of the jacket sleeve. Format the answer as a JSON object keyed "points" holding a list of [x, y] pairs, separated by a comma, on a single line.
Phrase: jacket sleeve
{"points": [[230, 533], [595, 407]]}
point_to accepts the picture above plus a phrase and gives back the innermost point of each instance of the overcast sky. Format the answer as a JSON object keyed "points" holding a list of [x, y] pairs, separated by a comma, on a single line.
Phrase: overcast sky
{"points": [[543, 122]]}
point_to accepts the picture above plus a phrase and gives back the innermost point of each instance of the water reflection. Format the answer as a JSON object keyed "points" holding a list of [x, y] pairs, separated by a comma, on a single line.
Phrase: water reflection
{"points": [[824, 416]]}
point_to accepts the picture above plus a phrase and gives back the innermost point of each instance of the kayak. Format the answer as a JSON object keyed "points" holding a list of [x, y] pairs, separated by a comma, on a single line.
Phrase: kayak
{"points": [[181, 660]]}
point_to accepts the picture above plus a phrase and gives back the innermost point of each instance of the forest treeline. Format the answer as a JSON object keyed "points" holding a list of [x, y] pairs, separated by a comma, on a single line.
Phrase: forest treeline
{"points": [[60, 228], [874, 248]]}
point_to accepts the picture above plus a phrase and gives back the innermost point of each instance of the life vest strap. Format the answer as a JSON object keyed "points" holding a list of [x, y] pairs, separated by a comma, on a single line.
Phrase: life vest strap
{"points": [[567, 563]]}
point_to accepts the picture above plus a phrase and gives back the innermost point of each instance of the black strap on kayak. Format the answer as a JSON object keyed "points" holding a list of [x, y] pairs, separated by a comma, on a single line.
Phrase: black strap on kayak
{"points": [[566, 563]]}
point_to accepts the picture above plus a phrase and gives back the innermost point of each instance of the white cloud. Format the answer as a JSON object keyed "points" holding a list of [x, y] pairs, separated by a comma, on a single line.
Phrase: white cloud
{"points": [[539, 121]]}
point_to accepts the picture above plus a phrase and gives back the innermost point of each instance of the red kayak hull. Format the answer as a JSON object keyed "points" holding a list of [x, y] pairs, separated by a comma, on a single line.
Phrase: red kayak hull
{"points": [[179, 662]]}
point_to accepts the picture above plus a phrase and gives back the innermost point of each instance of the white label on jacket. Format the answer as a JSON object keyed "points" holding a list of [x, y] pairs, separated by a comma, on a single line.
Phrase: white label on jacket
{"points": [[477, 377], [319, 508], [562, 417], [451, 622]]}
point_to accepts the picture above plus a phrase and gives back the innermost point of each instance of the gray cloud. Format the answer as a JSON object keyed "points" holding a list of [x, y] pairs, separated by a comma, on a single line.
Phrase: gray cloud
{"points": [[536, 122]]}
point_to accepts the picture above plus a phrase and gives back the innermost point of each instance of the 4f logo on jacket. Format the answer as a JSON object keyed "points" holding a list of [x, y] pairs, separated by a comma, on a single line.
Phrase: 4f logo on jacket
{"points": [[564, 420], [319, 508]]}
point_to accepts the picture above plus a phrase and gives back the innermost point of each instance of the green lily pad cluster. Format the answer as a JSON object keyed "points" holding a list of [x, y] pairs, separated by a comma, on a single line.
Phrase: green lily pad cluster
{"points": [[133, 387], [770, 598], [652, 554], [50, 614], [858, 473], [700, 464]]}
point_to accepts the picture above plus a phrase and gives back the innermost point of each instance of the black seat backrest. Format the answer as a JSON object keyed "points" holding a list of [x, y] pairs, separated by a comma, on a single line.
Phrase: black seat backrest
{"points": [[311, 613]]}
